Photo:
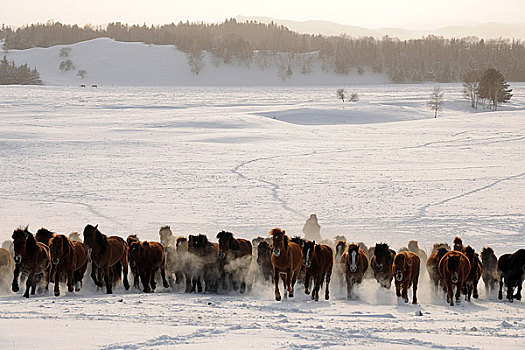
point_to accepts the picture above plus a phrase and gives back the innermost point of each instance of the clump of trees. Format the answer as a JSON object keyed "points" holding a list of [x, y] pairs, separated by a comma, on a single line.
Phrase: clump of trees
{"points": [[18, 75], [489, 86], [343, 95], [273, 46], [435, 102]]}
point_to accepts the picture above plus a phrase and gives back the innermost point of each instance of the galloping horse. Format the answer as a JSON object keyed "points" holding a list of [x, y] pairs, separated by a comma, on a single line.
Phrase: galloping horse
{"points": [[355, 264], [454, 268], [474, 275], [69, 257], [433, 267], [319, 261], [32, 259], [107, 252], [381, 263], [512, 271], [489, 269], [147, 258], [236, 256], [287, 259], [406, 273]]}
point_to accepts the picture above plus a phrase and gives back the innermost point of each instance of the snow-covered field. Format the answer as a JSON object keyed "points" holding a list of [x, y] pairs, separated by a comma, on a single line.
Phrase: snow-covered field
{"points": [[245, 160]]}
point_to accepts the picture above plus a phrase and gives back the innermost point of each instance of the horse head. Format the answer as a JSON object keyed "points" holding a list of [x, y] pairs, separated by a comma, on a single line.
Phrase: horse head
{"points": [[59, 247], [353, 253], [339, 249], [280, 241], [166, 236], [43, 235], [226, 243], [309, 252], [134, 253], [19, 239], [262, 251]]}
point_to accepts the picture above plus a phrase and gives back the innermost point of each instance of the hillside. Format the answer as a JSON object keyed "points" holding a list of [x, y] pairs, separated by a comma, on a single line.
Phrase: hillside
{"points": [[109, 62]]}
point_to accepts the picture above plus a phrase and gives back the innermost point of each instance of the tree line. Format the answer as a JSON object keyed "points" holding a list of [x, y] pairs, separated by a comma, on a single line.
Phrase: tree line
{"points": [[19, 75], [271, 45]]}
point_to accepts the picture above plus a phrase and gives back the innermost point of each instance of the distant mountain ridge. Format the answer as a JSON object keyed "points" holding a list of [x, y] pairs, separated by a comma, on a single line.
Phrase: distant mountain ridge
{"points": [[485, 30]]}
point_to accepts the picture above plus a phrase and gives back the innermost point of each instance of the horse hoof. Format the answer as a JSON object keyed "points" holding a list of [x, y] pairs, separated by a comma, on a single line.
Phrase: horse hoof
{"points": [[290, 295], [57, 294], [15, 289], [278, 297], [166, 285], [326, 297], [316, 298], [307, 292]]}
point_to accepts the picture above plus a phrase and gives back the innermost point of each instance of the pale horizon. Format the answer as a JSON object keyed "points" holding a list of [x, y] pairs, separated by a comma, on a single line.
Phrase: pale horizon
{"points": [[372, 15]]}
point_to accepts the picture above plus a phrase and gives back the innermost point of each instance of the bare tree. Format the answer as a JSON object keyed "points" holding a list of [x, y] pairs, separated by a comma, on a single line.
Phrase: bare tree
{"points": [[65, 52], [354, 97], [341, 94], [470, 87], [196, 61], [81, 73], [436, 101]]}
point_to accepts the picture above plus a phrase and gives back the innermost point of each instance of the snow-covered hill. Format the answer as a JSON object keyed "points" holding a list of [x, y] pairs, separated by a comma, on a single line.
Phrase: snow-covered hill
{"points": [[108, 62]]}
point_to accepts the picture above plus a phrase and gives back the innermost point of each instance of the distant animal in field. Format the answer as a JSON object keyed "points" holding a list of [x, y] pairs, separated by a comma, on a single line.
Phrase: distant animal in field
{"points": [[437, 246], [406, 269], [94, 86], [32, 259], [355, 265], [381, 264], [109, 254], [511, 268], [75, 236], [69, 258], [264, 260], [318, 261], [489, 269], [147, 258], [166, 236], [433, 268], [82, 85], [458, 244], [236, 256], [454, 269], [471, 284], [205, 265], [287, 258], [7, 266], [340, 248], [133, 267]]}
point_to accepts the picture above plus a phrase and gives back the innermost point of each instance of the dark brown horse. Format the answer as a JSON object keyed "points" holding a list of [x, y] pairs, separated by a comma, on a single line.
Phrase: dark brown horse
{"points": [[106, 253], [474, 275], [355, 264], [340, 248], [133, 268], [264, 260], [381, 264], [287, 258], [31, 259], [458, 244], [433, 267], [512, 271], [318, 261], [204, 265], [236, 256], [147, 258], [44, 236], [489, 269], [454, 268], [69, 258], [406, 273]]}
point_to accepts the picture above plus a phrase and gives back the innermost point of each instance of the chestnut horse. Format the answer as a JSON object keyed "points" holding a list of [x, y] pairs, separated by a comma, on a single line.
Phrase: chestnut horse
{"points": [[381, 264], [433, 267], [474, 274], [236, 256], [406, 269], [287, 258], [355, 264], [69, 258], [454, 268], [489, 269], [147, 258], [318, 261], [512, 272], [110, 254], [31, 259], [264, 260]]}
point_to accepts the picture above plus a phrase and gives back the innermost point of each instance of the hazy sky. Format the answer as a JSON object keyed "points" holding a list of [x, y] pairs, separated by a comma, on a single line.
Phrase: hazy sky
{"points": [[417, 14]]}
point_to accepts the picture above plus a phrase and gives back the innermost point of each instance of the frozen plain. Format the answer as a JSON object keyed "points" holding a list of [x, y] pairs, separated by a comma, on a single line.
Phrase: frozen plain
{"points": [[248, 159]]}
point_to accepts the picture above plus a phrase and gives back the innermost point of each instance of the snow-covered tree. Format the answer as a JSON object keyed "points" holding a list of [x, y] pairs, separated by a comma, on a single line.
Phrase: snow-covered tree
{"points": [[436, 101]]}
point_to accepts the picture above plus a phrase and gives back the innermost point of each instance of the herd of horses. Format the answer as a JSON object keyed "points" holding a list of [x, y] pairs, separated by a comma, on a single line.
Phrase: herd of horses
{"points": [[194, 264]]}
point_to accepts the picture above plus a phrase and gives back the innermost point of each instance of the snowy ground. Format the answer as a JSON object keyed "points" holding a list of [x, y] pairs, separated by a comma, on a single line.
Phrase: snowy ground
{"points": [[207, 159]]}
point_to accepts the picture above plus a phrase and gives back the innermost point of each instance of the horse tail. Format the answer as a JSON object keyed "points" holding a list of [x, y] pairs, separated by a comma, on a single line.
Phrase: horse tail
{"points": [[117, 272]]}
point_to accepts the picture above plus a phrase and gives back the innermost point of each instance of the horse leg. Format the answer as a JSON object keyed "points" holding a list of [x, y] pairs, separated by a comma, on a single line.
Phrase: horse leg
{"points": [[108, 279], [318, 280], [475, 294], [14, 284], [398, 289], [414, 290], [307, 283], [29, 283], [500, 293], [517, 296], [199, 283], [163, 275], [404, 293], [450, 295], [349, 285], [136, 278], [70, 281], [57, 283], [276, 284], [152, 282], [124, 262], [327, 287], [459, 288]]}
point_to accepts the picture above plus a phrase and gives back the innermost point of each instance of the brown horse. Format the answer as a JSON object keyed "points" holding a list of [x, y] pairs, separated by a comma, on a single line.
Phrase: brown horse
{"points": [[287, 259], [44, 236], [489, 269], [406, 273], [133, 268], [458, 244], [236, 257], [454, 268], [318, 261], [31, 259], [340, 248], [69, 258], [147, 258], [106, 253], [355, 264], [204, 265], [381, 264], [433, 267], [474, 275], [264, 260]]}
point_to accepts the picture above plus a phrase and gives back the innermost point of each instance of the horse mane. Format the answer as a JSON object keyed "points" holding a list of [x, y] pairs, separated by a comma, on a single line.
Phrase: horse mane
{"points": [[31, 245], [165, 227], [224, 234], [286, 240], [458, 241], [298, 240], [469, 252], [381, 248], [441, 253], [276, 230], [20, 232], [102, 240]]}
